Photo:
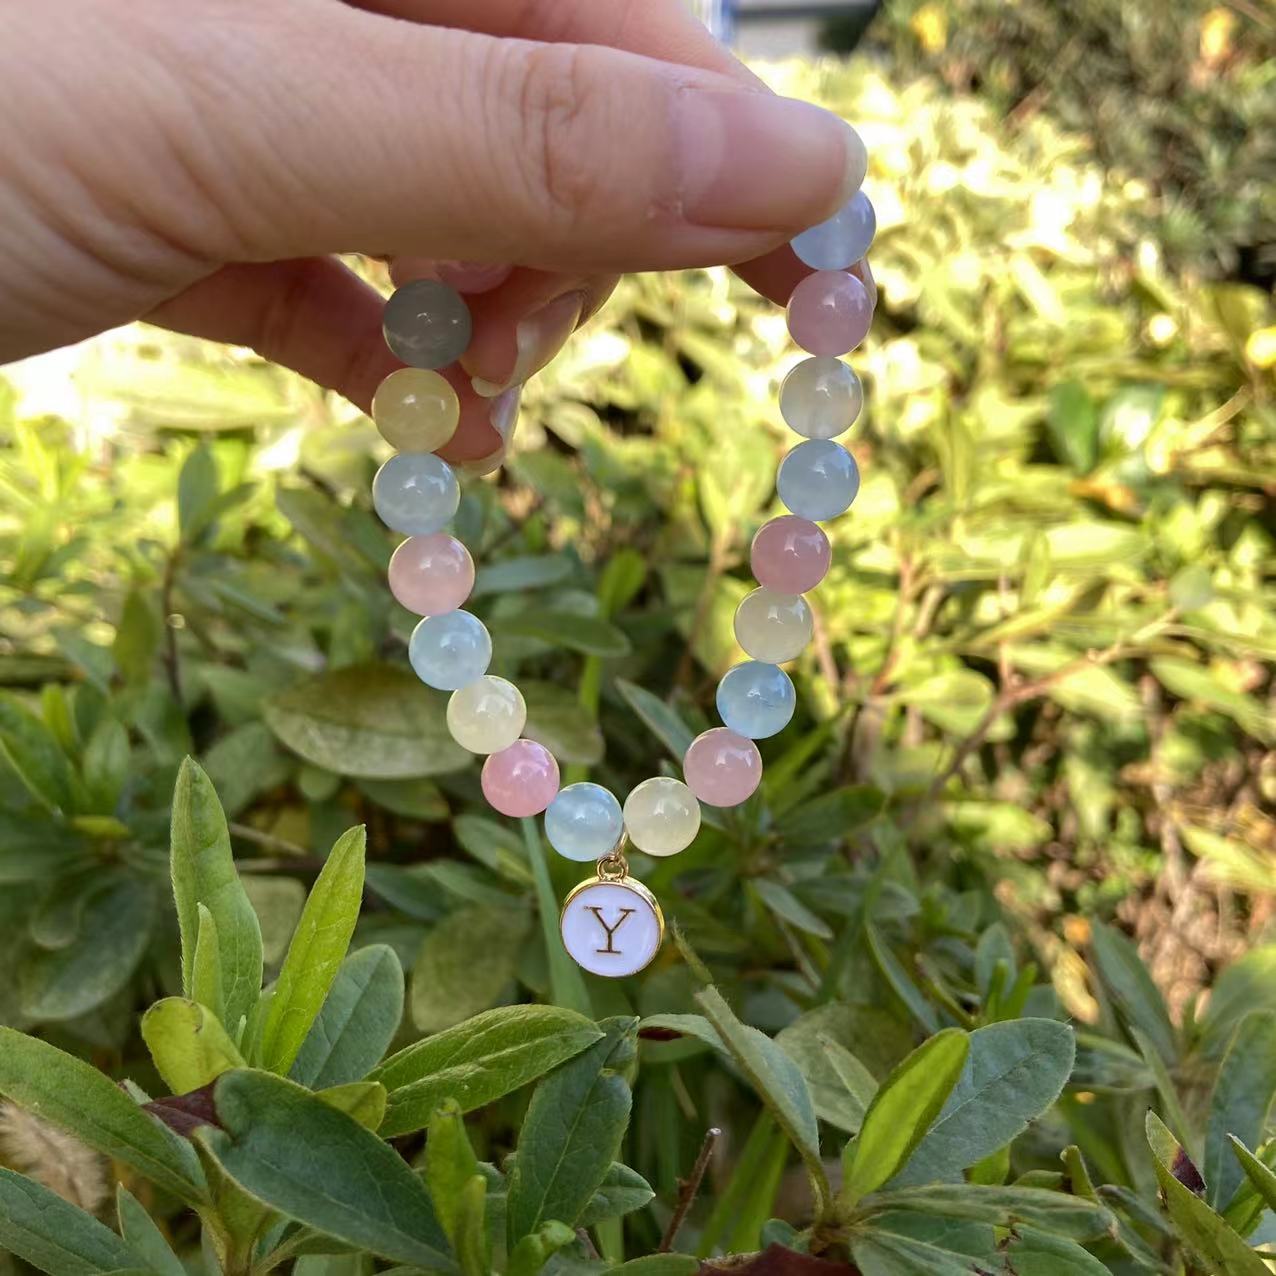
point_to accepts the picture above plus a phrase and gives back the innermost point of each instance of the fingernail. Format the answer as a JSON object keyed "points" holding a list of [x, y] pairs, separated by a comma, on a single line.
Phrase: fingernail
{"points": [[504, 417], [538, 337], [754, 161]]}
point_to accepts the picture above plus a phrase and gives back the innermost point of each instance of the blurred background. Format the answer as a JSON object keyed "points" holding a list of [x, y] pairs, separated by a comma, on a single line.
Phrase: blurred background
{"points": [[1041, 692]]}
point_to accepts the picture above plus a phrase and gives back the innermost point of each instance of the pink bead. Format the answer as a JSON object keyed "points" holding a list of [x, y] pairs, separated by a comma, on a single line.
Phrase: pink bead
{"points": [[722, 768], [520, 780], [790, 555], [830, 312], [431, 575]]}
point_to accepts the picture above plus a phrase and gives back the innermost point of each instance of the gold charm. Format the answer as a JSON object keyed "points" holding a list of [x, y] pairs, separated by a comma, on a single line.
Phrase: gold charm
{"points": [[611, 924]]}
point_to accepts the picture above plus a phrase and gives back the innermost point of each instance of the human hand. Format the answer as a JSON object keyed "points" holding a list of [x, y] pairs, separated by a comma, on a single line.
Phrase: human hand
{"points": [[197, 162]]}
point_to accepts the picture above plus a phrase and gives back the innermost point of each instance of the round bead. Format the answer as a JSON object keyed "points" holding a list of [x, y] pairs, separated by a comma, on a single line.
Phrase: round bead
{"points": [[520, 780], [611, 928], [722, 768], [842, 240], [584, 822], [415, 493], [427, 324], [773, 627], [662, 816], [829, 313], [450, 651], [756, 699], [818, 479], [790, 555], [820, 398], [416, 410], [486, 715], [432, 574]]}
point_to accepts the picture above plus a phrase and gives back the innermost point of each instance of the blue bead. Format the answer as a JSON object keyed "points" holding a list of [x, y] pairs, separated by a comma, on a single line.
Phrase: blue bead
{"points": [[755, 699], [450, 651], [818, 480], [584, 822], [415, 493], [842, 240]]}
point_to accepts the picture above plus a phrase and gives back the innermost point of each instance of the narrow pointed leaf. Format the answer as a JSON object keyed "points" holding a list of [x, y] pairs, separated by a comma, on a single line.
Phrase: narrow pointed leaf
{"points": [[143, 1237], [290, 1150], [450, 1163], [1263, 1179], [54, 1235], [1137, 999], [318, 948], [1239, 1106], [206, 969], [535, 1250], [203, 871]]}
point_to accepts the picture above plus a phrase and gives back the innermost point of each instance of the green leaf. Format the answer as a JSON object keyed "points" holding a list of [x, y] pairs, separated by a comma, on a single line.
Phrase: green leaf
{"points": [[106, 765], [879, 1251], [363, 1100], [1242, 1098], [57, 1237], [1221, 1250], [143, 1237], [830, 817], [317, 950], [188, 1044], [467, 963], [557, 719], [662, 721], [1035, 1253], [1072, 422], [587, 634], [566, 979], [115, 929], [1013, 1073], [900, 981], [1246, 985], [784, 904], [450, 1163], [77, 1097], [1008, 1207], [536, 1249], [34, 753], [203, 872], [903, 1110], [621, 1192], [658, 1265], [377, 721], [1126, 981], [841, 1086], [776, 1079], [1259, 1175], [196, 492], [571, 1135], [357, 1022], [471, 1239], [478, 1061], [292, 1151], [206, 966]]}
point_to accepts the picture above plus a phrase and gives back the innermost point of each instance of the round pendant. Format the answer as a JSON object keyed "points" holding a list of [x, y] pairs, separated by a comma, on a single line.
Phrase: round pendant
{"points": [[611, 926]]}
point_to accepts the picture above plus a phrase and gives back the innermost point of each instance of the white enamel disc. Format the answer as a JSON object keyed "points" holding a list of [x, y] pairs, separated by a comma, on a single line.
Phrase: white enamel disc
{"points": [[611, 928]]}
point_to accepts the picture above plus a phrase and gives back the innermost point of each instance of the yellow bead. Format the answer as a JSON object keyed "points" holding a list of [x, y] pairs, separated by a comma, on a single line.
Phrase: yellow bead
{"points": [[416, 410], [773, 627], [487, 715], [662, 816]]}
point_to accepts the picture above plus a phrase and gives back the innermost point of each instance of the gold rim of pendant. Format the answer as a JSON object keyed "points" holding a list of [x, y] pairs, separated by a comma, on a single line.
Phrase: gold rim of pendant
{"points": [[613, 870]]}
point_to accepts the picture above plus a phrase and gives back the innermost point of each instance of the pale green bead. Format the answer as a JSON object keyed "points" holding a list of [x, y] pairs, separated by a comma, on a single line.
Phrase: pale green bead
{"points": [[773, 627], [820, 398], [662, 816], [487, 715]]}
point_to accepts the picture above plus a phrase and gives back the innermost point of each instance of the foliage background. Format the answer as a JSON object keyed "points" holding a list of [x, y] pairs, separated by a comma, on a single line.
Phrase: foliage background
{"points": [[1041, 690]]}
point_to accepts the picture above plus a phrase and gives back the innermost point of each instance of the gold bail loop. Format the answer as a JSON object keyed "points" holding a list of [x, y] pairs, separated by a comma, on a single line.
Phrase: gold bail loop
{"points": [[614, 867]]}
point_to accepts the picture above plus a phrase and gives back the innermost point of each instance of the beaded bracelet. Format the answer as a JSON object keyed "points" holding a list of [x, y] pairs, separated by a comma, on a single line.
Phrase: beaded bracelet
{"points": [[610, 923]]}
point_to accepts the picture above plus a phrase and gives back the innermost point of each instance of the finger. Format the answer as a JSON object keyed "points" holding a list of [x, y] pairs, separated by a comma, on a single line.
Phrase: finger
{"points": [[521, 157], [663, 29], [312, 315]]}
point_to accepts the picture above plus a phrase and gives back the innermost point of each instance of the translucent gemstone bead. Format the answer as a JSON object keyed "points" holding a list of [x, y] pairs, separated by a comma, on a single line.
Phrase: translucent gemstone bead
{"points": [[756, 699], [829, 313], [432, 574], [662, 816], [842, 240], [486, 715], [415, 493], [820, 398], [416, 410], [584, 822], [790, 555], [520, 780], [818, 479], [722, 768], [773, 627], [427, 324], [450, 651]]}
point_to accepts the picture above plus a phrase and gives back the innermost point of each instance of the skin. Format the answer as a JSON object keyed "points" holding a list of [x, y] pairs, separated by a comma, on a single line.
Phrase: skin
{"points": [[200, 163]]}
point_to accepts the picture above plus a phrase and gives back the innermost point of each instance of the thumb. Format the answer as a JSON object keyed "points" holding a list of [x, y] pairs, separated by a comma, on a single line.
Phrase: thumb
{"points": [[445, 143]]}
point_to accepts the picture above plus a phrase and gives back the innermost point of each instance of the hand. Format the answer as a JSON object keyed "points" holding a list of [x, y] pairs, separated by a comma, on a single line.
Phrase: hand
{"points": [[198, 162]]}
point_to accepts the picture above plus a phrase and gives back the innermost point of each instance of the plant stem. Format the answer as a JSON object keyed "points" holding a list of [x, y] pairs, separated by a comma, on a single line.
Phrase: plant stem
{"points": [[567, 984], [688, 1188]]}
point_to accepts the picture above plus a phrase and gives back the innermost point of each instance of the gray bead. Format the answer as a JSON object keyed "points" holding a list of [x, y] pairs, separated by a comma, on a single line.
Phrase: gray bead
{"points": [[427, 324]]}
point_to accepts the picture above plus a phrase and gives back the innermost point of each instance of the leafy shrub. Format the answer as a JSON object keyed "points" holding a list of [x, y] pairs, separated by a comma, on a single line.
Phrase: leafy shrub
{"points": [[1041, 695]]}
